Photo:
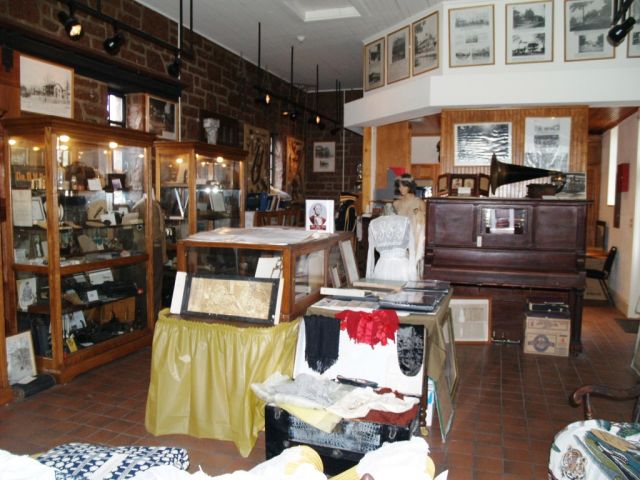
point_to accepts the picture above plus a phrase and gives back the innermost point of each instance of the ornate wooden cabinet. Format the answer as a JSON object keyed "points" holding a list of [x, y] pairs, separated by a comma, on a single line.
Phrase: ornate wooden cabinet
{"points": [[508, 250]]}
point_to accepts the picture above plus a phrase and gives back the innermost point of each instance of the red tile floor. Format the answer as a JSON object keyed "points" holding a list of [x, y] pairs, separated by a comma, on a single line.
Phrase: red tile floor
{"points": [[508, 407]]}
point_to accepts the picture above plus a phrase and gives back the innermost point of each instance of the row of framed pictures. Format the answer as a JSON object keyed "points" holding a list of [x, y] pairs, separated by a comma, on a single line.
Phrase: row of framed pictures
{"points": [[415, 48]]}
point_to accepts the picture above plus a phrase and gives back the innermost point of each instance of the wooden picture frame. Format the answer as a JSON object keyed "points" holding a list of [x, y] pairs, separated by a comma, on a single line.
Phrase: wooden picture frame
{"points": [[161, 117], [633, 37], [475, 143], [586, 24], [398, 54], [471, 320], [547, 143], [425, 44], [529, 32], [451, 361], [324, 157], [374, 64], [45, 87], [471, 36], [21, 360]]}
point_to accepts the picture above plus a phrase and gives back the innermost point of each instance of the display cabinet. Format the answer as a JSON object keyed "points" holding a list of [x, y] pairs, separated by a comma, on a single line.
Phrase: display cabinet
{"points": [[77, 241], [200, 187]]}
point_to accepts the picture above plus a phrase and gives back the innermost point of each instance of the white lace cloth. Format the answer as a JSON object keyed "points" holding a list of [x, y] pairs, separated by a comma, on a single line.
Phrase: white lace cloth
{"points": [[360, 401], [306, 390], [390, 235]]}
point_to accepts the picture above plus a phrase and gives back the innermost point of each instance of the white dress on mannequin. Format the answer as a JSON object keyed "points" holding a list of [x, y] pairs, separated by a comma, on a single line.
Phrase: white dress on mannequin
{"points": [[390, 235]]}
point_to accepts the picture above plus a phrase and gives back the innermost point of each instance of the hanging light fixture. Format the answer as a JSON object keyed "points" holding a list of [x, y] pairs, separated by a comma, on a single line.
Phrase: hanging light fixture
{"points": [[338, 126], [112, 44], [316, 119], [174, 67], [71, 24], [290, 110], [264, 97]]}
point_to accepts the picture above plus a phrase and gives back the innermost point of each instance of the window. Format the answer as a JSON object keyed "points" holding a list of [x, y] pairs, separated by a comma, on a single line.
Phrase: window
{"points": [[115, 108]]}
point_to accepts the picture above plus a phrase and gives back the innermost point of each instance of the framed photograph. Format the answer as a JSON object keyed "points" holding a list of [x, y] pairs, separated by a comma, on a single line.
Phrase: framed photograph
{"points": [[451, 361], [26, 290], [587, 23], [324, 156], [374, 65], [633, 37], [319, 215], [19, 156], [21, 361], [349, 261], [471, 36], [425, 48], [231, 298], [471, 318], [398, 55], [475, 143], [546, 142], [45, 88], [162, 117], [529, 32], [37, 210], [116, 181], [294, 169]]}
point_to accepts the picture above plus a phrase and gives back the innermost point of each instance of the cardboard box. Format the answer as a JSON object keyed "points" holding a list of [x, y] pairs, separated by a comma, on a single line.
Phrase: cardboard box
{"points": [[547, 336]]}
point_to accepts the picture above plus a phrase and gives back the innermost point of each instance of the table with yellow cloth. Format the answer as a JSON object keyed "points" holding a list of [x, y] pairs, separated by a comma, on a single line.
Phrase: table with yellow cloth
{"points": [[201, 375]]}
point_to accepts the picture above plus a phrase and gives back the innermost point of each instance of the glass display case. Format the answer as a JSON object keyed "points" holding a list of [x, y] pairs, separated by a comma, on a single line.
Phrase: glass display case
{"points": [[200, 187], [77, 241]]}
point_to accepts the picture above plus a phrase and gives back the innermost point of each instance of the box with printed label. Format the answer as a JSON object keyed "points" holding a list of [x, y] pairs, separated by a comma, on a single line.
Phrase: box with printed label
{"points": [[547, 336]]}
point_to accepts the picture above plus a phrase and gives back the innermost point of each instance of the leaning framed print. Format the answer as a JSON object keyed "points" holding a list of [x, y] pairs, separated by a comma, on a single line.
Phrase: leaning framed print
{"points": [[398, 54], [633, 37], [471, 36], [162, 117], [586, 23], [21, 361], [546, 142], [425, 46], [471, 319], [475, 143], [529, 32], [45, 88], [374, 64], [324, 157]]}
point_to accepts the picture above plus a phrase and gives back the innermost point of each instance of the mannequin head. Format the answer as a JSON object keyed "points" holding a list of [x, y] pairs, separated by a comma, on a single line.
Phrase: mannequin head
{"points": [[406, 182]]}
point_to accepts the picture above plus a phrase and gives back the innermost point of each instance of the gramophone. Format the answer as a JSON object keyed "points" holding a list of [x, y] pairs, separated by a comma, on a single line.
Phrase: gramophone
{"points": [[505, 173]]}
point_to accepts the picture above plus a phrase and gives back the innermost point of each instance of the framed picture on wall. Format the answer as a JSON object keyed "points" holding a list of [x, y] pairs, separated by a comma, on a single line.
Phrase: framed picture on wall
{"points": [[633, 37], [374, 65], [45, 88], [324, 156], [546, 142], [398, 53], [475, 143], [161, 117], [471, 36], [585, 30], [529, 32], [425, 47]]}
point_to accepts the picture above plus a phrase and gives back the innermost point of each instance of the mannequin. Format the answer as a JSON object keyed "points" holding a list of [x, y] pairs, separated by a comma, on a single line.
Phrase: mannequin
{"points": [[408, 205], [390, 235]]}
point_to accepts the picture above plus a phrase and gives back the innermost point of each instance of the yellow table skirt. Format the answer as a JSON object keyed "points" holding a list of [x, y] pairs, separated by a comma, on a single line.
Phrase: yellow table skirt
{"points": [[201, 375]]}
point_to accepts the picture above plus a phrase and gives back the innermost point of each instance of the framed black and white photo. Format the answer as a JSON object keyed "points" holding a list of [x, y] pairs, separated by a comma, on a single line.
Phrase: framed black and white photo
{"points": [[374, 65], [585, 31], [398, 55], [529, 32], [319, 216], [475, 143], [162, 117], [324, 156], [546, 142], [45, 88], [426, 44], [471, 36], [21, 361], [633, 37]]}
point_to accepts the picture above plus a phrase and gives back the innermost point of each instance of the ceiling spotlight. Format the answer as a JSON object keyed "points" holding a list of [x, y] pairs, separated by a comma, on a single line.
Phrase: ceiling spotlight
{"points": [[174, 67], [618, 32], [112, 44], [71, 24], [264, 98]]}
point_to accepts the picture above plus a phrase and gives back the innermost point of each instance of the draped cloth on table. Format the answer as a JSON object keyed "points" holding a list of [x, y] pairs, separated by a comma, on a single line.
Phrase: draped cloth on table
{"points": [[201, 375]]}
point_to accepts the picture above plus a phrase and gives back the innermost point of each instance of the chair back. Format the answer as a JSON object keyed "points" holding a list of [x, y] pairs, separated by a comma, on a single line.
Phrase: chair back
{"points": [[608, 263]]}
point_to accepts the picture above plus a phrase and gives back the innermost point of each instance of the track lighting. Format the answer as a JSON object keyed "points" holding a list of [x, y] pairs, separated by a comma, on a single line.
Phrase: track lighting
{"points": [[618, 32], [264, 98], [112, 44], [71, 24], [174, 67]]}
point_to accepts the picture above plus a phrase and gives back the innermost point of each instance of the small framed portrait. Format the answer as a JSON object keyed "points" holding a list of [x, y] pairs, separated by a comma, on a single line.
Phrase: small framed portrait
{"points": [[426, 44], [116, 181], [471, 36], [162, 117], [587, 23], [398, 52], [21, 361], [529, 32], [373, 73], [319, 217], [324, 156]]}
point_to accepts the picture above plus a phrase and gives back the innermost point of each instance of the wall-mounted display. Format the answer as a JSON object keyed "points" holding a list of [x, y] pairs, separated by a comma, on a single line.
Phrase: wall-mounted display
{"points": [[45, 88], [374, 65], [324, 156], [585, 31], [426, 44], [294, 172], [475, 143], [398, 53], [256, 143], [471, 36], [546, 142], [529, 32], [162, 117], [633, 38]]}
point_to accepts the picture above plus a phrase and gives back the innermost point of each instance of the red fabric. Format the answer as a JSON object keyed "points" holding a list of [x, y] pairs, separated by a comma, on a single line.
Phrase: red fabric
{"points": [[402, 419], [372, 328]]}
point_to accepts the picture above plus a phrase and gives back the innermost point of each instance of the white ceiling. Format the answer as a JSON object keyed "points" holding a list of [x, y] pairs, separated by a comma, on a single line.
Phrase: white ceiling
{"points": [[335, 45]]}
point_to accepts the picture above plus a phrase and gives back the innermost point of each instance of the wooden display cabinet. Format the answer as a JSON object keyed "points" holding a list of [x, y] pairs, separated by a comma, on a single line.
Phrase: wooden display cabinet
{"points": [[200, 187], [77, 242]]}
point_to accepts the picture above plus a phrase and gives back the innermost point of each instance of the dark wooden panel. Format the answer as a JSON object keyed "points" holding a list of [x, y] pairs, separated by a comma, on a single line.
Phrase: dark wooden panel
{"points": [[455, 227], [560, 232]]}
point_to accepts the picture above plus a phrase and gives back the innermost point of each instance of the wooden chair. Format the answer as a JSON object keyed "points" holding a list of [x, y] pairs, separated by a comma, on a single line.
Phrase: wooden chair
{"points": [[582, 396], [603, 275]]}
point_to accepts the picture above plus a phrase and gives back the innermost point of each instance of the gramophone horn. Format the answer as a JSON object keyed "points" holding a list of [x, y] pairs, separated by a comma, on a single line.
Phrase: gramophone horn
{"points": [[505, 173]]}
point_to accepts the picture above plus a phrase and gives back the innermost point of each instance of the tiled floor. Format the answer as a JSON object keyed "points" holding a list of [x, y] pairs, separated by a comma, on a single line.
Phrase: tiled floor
{"points": [[508, 407]]}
